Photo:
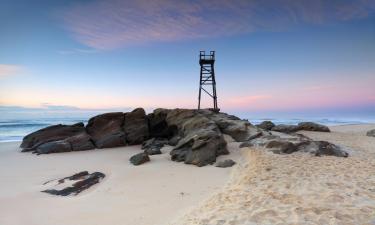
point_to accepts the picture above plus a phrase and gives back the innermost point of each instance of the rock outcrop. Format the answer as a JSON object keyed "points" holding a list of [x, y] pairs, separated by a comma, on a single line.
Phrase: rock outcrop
{"points": [[281, 143], [58, 138], [201, 140], [158, 126], [136, 126], [106, 130], [198, 136], [266, 125], [371, 133], [82, 181], [310, 126]]}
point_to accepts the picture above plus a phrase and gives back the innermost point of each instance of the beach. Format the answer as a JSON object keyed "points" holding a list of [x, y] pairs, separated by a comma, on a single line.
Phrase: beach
{"points": [[262, 188]]}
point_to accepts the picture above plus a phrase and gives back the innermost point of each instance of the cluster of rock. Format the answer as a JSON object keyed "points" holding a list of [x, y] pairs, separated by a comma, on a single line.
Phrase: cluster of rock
{"points": [[309, 126], [285, 143], [197, 135], [81, 181]]}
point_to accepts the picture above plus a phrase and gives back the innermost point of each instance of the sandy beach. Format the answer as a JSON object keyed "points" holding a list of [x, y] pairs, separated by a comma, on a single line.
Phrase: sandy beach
{"points": [[152, 193], [262, 188]]}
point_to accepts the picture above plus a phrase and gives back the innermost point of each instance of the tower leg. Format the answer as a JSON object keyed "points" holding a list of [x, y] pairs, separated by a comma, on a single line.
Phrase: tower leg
{"points": [[200, 90]]}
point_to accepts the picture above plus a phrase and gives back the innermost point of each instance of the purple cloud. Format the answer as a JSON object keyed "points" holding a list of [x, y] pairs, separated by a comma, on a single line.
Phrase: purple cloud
{"points": [[114, 23]]}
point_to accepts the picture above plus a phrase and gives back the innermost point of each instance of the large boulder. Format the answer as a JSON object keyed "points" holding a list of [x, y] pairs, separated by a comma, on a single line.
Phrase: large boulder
{"points": [[157, 124], [106, 130], [239, 130], [58, 138], [136, 126], [310, 126], [266, 125], [285, 128], [201, 140], [371, 133]]}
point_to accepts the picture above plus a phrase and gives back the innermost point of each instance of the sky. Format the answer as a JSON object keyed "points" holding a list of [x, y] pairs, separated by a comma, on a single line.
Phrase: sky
{"points": [[273, 57]]}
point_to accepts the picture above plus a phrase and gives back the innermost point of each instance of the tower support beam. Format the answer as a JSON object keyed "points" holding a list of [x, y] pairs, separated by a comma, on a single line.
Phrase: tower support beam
{"points": [[207, 77]]}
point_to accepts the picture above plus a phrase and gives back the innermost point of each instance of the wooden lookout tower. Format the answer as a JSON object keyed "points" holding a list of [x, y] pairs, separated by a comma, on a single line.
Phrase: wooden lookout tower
{"points": [[207, 77]]}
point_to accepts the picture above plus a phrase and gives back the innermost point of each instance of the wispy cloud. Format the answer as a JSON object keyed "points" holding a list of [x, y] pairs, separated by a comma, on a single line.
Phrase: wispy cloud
{"points": [[77, 51], [114, 23], [9, 70]]}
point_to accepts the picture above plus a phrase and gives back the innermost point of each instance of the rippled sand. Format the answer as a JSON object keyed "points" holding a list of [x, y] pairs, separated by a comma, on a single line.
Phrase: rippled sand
{"points": [[298, 188]]}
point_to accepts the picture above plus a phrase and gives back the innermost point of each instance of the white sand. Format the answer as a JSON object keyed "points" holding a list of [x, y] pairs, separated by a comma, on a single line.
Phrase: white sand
{"points": [[264, 188], [152, 193], [298, 188]]}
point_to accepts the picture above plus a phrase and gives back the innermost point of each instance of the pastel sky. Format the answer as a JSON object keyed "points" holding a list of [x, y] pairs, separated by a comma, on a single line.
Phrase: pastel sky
{"points": [[272, 56]]}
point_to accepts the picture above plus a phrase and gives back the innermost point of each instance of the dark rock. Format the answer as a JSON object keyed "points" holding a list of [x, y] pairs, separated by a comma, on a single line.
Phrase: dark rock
{"points": [[319, 148], [371, 133], [84, 181], [174, 140], [136, 126], [288, 143], [285, 128], [153, 145], [158, 126], [54, 147], [239, 130], [225, 163], [58, 138], [246, 144], [201, 140], [139, 158], [282, 146], [81, 142], [266, 125], [310, 126], [106, 130]]}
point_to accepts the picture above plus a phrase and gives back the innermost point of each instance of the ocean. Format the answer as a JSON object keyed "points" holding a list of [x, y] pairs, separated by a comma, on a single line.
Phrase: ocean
{"points": [[14, 129]]}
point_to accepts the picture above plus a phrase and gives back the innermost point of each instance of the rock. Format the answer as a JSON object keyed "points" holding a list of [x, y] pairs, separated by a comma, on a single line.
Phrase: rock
{"points": [[158, 126], [225, 163], [266, 125], [58, 138], [201, 140], [153, 145], [174, 140], [139, 158], [136, 126], [288, 143], [106, 130], [371, 133], [84, 180], [54, 147], [282, 146], [310, 126], [285, 128], [239, 130], [319, 148]]}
